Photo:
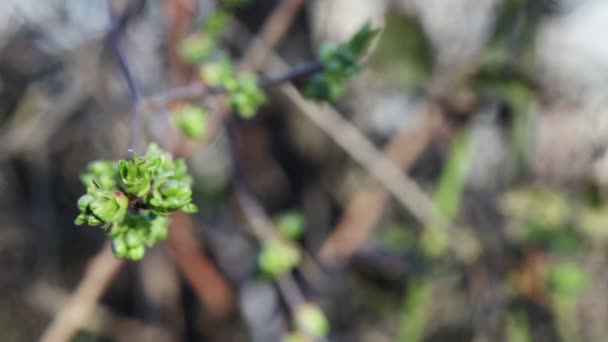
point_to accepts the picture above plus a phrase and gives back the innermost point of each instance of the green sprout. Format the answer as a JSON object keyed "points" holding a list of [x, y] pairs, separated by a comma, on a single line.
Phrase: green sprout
{"points": [[147, 189], [196, 47], [291, 225], [101, 206], [311, 320], [100, 171], [135, 174], [340, 62], [191, 121], [278, 257], [243, 91]]}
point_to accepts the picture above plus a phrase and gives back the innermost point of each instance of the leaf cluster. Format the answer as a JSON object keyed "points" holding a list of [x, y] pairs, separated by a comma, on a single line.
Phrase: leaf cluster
{"points": [[133, 198]]}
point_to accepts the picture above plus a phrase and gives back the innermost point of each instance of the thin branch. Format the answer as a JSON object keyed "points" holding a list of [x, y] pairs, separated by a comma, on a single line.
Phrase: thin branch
{"points": [[103, 321], [365, 207], [134, 88], [346, 135], [204, 278], [196, 90], [295, 73], [274, 29], [262, 227], [98, 275], [272, 33]]}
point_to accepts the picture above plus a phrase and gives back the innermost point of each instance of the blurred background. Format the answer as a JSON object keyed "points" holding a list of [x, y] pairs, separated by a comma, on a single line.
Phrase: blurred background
{"points": [[493, 112]]}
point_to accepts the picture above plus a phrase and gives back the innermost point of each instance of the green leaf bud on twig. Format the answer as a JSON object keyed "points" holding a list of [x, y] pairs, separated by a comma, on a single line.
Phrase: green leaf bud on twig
{"points": [[191, 121], [340, 62], [311, 320], [101, 206], [136, 174], [278, 257]]}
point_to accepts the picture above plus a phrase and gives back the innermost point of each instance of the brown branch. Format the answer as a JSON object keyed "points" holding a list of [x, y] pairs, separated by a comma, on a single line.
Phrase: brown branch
{"points": [[352, 141], [366, 206], [405, 190], [272, 33], [204, 278], [98, 275], [260, 223], [103, 320]]}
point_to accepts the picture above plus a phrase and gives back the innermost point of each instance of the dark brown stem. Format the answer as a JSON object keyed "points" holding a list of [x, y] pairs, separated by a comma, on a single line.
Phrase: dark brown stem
{"points": [[134, 88]]}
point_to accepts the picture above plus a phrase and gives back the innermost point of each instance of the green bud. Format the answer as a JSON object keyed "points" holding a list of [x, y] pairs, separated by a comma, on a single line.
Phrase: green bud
{"points": [[80, 219], [340, 62], [119, 247], [291, 225], [195, 48], [190, 208], [137, 172], [136, 253], [99, 206], [101, 167], [216, 23], [278, 257], [133, 238], [109, 206], [100, 174], [567, 278], [180, 172], [159, 230], [191, 121], [311, 320], [94, 221], [84, 201], [162, 185], [218, 74], [169, 195]]}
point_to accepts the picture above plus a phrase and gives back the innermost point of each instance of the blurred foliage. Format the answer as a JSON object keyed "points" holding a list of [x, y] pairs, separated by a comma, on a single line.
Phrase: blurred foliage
{"points": [[311, 321], [415, 310], [340, 62], [278, 257], [243, 91], [403, 55], [291, 225], [518, 328], [191, 120]]}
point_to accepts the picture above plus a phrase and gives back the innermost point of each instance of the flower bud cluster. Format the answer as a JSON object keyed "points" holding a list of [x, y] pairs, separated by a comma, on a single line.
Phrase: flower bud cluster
{"points": [[134, 197]]}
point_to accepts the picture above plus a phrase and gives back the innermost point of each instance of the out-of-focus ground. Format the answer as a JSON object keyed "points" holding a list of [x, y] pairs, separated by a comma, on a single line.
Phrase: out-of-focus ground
{"points": [[524, 82]]}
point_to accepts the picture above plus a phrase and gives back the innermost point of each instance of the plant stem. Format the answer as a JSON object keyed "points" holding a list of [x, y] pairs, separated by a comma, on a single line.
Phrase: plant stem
{"points": [[134, 88]]}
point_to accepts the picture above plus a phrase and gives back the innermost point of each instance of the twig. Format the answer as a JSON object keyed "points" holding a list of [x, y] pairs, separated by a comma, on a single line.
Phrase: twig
{"points": [[271, 34], [273, 31], [294, 73], [365, 207], [205, 279], [134, 89], [103, 320], [98, 275], [262, 227], [195, 90], [347, 136]]}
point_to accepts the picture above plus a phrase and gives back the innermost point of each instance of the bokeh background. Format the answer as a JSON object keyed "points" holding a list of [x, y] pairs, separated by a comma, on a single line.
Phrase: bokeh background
{"points": [[495, 110]]}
